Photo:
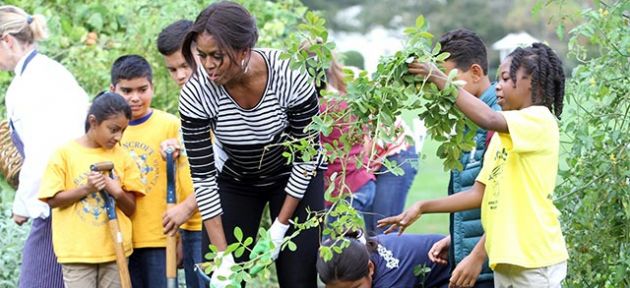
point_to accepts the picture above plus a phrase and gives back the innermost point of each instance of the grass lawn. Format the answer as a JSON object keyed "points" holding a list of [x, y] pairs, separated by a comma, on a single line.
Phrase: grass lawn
{"points": [[431, 182]]}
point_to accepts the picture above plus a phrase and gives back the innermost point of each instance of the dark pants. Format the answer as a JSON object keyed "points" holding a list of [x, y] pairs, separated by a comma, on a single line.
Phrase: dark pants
{"points": [[243, 206], [147, 267], [191, 242]]}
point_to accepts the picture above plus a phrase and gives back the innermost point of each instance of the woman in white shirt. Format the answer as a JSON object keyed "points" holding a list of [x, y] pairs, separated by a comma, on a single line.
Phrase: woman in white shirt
{"points": [[46, 107]]}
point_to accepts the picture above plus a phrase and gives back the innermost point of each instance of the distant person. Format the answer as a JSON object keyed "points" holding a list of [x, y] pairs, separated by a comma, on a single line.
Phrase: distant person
{"points": [[357, 181], [46, 108], [185, 214], [81, 235]]}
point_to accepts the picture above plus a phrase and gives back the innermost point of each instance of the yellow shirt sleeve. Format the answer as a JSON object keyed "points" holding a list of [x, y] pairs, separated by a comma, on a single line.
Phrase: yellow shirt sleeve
{"points": [[527, 130], [53, 181], [132, 181]]}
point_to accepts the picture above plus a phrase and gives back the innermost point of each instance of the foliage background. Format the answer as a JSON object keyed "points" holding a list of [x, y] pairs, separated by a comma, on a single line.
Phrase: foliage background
{"points": [[593, 191]]}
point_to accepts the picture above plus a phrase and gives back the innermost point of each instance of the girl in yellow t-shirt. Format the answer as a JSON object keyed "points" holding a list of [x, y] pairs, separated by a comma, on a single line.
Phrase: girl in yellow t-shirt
{"points": [[81, 237], [514, 189]]}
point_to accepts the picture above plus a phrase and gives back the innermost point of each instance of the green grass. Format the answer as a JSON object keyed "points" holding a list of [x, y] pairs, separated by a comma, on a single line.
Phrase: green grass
{"points": [[431, 182]]}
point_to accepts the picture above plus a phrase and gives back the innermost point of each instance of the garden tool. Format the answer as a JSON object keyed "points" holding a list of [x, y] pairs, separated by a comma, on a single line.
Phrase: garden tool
{"points": [[110, 207], [171, 241]]}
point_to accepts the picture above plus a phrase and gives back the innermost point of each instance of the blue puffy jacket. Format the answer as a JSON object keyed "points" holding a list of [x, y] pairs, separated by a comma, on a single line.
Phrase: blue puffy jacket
{"points": [[465, 227]]}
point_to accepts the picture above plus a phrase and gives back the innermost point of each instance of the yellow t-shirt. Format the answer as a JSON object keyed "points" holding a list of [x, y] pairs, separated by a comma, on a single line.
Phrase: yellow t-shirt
{"points": [[80, 231], [142, 140], [517, 211]]}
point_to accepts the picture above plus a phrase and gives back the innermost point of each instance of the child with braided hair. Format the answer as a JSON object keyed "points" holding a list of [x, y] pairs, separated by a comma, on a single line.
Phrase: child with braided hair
{"points": [[515, 187]]}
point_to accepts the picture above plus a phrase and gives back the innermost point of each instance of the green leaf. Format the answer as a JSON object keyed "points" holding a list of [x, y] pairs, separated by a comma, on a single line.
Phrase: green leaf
{"points": [[239, 252], [292, 246], [238, 234]]}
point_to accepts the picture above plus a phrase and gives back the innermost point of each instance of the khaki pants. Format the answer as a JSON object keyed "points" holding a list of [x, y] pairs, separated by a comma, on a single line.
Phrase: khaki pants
{"points": [[104, 275], [511, 276]]}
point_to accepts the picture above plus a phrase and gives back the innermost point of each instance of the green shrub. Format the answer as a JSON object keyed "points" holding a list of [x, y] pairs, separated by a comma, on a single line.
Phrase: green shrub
{"points": [[594, 194], [11, 239]]}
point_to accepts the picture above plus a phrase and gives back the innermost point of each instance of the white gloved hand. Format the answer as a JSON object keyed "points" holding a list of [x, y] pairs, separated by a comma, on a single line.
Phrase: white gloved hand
{"points": [[225, 270], [277, 231]]}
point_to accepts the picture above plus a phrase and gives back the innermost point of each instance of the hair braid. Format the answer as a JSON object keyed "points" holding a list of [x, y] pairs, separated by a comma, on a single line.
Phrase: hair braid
{"points": [[547, 76]]}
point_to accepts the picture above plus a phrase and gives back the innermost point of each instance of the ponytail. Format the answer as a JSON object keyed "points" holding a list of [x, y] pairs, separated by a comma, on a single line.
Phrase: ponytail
{"points": [[24, 27]]}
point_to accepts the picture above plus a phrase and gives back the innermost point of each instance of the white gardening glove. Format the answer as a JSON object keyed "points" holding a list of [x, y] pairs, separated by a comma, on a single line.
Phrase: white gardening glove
{"points": [[277, 231], [225, 270]]}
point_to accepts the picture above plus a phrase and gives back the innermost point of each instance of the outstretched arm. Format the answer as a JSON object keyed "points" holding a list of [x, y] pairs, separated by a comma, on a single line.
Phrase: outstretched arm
{"points": [[480, 113], [453, 203]]}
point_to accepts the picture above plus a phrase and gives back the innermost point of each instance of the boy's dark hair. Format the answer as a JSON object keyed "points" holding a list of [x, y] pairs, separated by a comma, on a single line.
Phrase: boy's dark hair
{"points": [[171, 38], [129, 67], [231, 25], [546, 72], [466, 49], [105, 105]]}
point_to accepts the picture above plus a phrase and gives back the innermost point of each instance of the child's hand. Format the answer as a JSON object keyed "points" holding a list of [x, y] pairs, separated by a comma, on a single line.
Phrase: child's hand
{"points": [[173, 143], [439, 251], [113, 187], [96, 181], [176, 216], [466, 272], [403, 220], [425, 70]]}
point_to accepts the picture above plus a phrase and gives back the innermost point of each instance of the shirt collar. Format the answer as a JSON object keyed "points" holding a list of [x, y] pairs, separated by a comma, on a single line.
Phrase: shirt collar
{"points": [[22, 62], [141, 119]]}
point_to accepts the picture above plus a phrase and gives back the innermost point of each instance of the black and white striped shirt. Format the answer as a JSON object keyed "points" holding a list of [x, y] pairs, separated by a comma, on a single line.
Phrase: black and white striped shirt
{"points": [[247, 141]]}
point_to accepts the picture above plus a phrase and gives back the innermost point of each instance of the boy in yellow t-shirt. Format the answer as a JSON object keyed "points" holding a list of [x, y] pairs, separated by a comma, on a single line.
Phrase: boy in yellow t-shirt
{"points": [[81, 236], [169, 43], [150, 132], [515, 188]]}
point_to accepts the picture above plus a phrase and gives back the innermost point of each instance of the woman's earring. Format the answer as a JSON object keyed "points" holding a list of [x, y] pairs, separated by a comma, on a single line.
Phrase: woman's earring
{"points": [[244, 66]]}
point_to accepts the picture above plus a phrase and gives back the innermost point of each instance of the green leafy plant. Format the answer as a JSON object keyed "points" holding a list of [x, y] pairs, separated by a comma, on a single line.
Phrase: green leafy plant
{"points": [[370, 107], [12, 240], [594, 193]]}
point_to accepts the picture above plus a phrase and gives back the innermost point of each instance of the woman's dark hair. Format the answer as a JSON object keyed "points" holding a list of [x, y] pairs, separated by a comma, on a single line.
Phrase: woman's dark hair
{"points": [[466, 49], [106, 105], [129, 67], [349, 265], [546, 72], [230, 25], [171, 38]]}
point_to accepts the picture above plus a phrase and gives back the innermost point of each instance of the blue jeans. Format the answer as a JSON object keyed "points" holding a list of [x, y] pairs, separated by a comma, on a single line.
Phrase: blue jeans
{"points": [[391, 190], [147, 267], [363, 199], [191, 242]]}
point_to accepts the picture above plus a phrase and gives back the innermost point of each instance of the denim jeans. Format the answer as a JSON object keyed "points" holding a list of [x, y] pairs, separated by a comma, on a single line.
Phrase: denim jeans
{"points": [[191, 242], [363, 199], [147, 267], [391, 190]]}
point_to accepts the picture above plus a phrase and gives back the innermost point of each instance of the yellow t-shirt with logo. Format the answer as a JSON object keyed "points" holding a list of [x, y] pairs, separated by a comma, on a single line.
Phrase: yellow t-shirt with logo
{"points": [[142, 140], [80, 231], [517, 211]]}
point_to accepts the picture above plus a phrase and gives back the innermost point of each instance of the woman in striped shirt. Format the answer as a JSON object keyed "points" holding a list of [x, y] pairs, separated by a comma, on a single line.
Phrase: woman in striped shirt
{"points": [[252, 101]]}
